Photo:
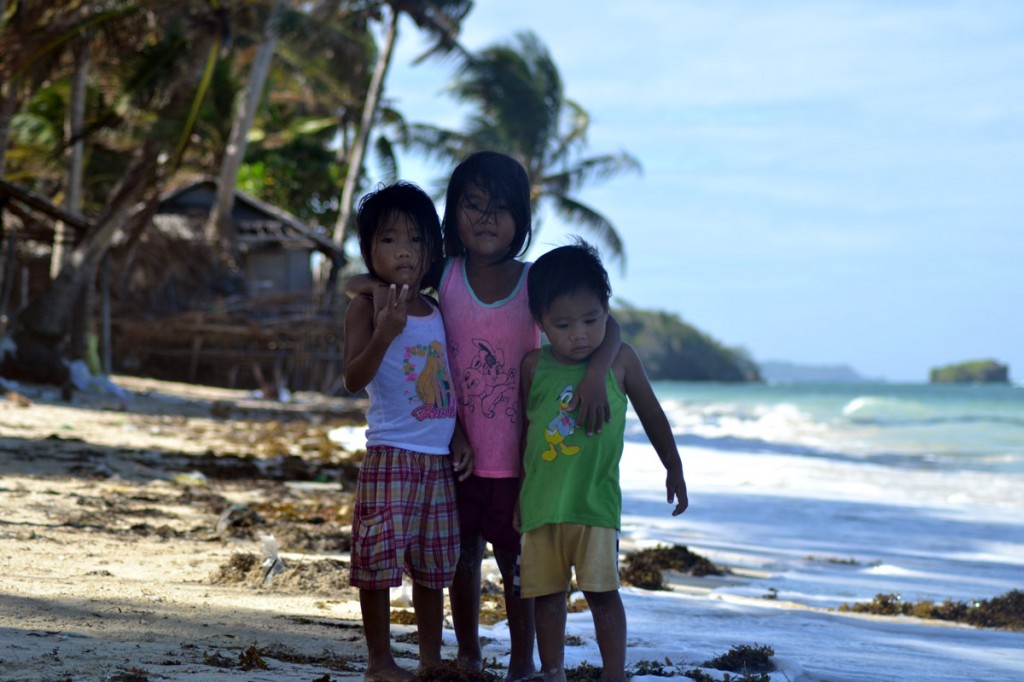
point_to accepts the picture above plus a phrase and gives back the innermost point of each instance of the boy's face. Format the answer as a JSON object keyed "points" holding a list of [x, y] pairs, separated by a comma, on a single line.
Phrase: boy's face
{"points": [[575, 324], [399, 250]]}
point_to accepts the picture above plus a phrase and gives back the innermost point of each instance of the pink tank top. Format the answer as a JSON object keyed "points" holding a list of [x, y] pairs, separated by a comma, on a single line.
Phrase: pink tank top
{"points": [[486, 343]]}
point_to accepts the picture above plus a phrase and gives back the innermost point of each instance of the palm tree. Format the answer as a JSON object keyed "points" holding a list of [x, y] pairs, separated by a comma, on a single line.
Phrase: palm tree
{"points": [[218, 224], [519, 107], [442, 20], [186, 62]]}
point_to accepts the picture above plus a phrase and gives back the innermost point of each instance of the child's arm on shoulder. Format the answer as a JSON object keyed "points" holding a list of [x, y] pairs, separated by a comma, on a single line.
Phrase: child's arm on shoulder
{"points": [[361, 285], [368, 286], [592, 395], [652, 416], [368, 333]]}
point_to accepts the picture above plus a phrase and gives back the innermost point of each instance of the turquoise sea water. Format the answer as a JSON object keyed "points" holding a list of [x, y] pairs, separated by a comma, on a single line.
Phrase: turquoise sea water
{"points": [[949, 427]]}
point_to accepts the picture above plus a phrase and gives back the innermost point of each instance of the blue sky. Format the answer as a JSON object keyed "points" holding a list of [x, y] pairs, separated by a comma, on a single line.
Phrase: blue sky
{"points": [[824, 182]]}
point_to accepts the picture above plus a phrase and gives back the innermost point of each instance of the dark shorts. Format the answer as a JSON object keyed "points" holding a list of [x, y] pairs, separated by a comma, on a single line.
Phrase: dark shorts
{"points": [[485, 509]]}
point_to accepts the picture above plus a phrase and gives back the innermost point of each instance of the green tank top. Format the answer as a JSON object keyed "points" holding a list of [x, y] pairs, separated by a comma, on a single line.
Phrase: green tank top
{"points": [[568, 476]]}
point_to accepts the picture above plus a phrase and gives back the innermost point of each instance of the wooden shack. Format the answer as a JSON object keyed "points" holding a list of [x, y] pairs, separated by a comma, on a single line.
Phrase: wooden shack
{"points": [[181, 313]]}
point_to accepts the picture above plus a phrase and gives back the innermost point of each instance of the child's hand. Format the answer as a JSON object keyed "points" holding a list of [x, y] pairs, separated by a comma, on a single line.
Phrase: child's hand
{"points": [[391, 317], [676, 487], [592, 399], [462, 455]]}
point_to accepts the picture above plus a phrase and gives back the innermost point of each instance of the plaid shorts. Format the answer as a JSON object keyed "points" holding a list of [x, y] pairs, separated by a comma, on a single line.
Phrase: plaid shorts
{"points": [[405, 517]]}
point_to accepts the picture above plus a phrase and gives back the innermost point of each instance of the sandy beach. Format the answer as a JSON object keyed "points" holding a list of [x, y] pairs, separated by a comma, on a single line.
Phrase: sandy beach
{"points": [[132, 545], [131, 536]]}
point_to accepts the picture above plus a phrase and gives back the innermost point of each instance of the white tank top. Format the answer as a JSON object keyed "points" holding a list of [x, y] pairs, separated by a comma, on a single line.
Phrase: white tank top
{"points": [[412, 400]]}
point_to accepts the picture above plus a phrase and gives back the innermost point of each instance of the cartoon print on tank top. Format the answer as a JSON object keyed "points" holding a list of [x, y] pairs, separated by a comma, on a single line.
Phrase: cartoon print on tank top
{"points": [[560, 428], [432, 387], [486, 383]]}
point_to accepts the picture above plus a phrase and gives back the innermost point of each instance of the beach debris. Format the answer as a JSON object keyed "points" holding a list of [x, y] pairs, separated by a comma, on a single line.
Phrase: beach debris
{"points": [[196, 478], [1004, 612], [102, 470], [645, 668], [449, 671], [584, 672], [237, 520], [17, 398], [128, 675], [221, 409], [217, 660], [251, 659], [643, 569], [328, 577], [81, 378], [272, 563], [744, 658], [236, 569], [401, 597]]}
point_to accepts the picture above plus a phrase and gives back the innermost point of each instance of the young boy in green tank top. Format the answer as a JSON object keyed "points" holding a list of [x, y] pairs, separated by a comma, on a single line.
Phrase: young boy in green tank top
{"points": [[570, 504]]}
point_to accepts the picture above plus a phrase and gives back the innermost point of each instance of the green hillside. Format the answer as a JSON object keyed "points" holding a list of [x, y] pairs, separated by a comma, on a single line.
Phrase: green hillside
{"points": [[674, 350]]}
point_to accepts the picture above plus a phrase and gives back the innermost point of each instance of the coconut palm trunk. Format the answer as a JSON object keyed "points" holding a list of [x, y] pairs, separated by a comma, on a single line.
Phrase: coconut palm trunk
{"points": [[219, 227], [63, 235], [358, 153], [8, 105]]}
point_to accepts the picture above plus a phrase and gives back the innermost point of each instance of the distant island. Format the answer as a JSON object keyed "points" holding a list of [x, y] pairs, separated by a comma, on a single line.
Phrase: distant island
{"points": [[780, 371], [971, 372]]}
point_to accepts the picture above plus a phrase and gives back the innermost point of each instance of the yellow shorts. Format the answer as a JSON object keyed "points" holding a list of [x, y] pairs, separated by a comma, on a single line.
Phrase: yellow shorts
{"points": [[553, 550]]}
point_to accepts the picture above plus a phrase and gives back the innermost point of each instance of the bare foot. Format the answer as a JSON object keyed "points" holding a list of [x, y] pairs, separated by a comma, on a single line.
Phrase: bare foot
{"points": [[387, 673], [522, 673], [469, 665], [556, 675]]}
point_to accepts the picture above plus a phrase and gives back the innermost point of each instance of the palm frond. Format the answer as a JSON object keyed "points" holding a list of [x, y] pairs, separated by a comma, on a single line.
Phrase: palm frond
{"points": [[436, 144], [574, 124], [441, 19], [589, 171], [576, 213], [386, 158]]}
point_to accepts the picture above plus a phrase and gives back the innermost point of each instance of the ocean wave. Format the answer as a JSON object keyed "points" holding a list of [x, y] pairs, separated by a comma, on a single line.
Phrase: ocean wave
{"points": [[945, 461], [884, 411], [937, 432]]}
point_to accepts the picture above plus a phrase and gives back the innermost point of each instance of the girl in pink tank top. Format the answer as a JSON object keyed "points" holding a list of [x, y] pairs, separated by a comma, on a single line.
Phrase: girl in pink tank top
{"points": [[483, 295]]}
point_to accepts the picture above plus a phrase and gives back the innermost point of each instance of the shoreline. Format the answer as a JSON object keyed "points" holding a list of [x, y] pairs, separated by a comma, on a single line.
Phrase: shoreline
{"points": [[112, 565], [130, 549]]}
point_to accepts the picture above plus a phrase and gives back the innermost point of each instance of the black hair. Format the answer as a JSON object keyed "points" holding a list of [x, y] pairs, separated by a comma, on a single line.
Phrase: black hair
{"points": [[402, 197], [506, 183], [566, 270]]}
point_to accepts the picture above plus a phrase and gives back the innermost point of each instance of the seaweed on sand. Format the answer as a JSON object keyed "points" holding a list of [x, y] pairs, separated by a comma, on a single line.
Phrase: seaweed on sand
{"points": [[643, 569], [1004, 612], [745, 659], [449, 671]]}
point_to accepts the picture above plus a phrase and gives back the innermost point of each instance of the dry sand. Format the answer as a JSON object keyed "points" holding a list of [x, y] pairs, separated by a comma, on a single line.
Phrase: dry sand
{"points": [[130, 537]]}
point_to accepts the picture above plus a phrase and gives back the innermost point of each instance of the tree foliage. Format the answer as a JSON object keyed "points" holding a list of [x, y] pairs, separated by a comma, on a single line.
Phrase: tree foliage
{"points": [[161, 94], [518, 106], [674, 350], [972, 371]]}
